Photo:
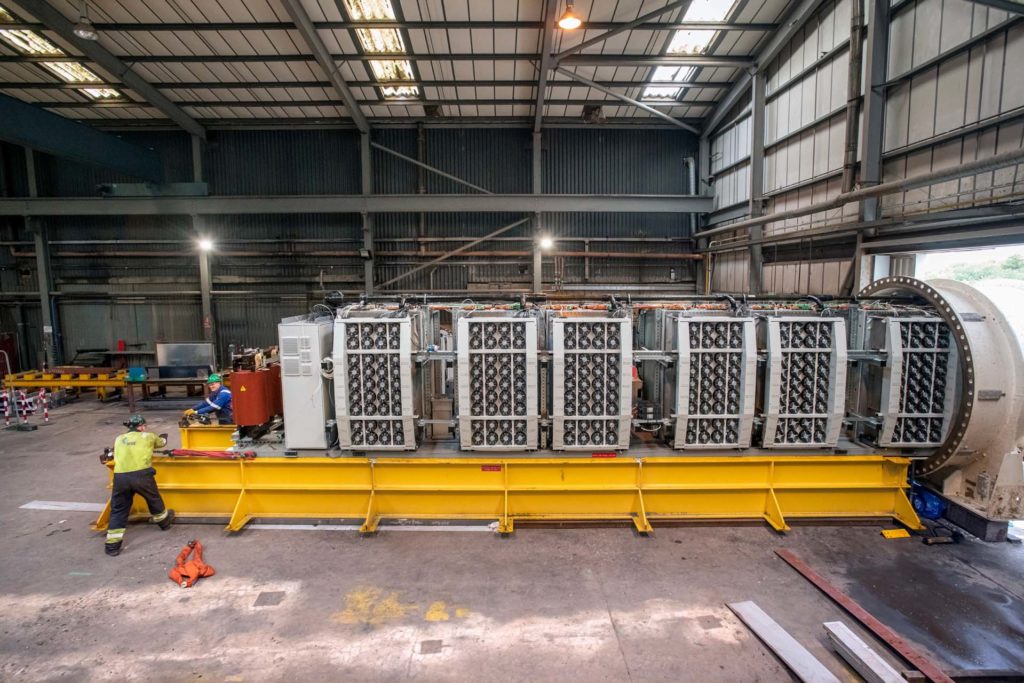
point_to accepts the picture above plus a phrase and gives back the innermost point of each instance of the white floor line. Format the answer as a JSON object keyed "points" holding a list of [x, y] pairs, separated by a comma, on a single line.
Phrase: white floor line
{"points": [[63, 505]]}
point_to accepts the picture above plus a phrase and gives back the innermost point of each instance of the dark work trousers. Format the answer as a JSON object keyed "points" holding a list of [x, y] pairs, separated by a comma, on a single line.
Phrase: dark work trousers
{"points": [[126, 485]]}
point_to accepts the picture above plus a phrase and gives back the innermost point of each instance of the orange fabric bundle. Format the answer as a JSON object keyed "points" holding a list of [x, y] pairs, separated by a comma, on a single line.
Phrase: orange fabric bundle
{"points": [[186, 572]]}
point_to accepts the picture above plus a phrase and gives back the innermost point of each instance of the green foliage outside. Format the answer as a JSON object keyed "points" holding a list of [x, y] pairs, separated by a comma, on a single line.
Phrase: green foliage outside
{"points": [[1011, 268]]}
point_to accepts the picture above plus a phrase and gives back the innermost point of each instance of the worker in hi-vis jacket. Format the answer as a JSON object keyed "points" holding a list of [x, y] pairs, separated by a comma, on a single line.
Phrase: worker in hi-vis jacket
{"points": [[218, 402], [134, 473]]}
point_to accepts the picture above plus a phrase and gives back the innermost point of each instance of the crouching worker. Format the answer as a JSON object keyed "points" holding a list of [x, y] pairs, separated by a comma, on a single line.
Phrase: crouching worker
{"points": [[134, 473], [217, 403]]}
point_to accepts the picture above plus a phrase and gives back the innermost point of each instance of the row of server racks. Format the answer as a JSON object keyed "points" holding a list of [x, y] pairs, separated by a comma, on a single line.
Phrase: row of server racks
{"points": [[587, 378]]}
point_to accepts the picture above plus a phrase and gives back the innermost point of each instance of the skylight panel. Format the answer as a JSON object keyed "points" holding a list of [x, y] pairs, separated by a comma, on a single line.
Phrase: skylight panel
{"points": [[690, 42], [673, 74], [381, 40], [370, 10], [392, 69], [708, 10], [29, 42], [5, 17]]}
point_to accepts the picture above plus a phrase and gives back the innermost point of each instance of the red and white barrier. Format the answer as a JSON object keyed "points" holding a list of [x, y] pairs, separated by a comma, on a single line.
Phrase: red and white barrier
{"points": [[7, 408], [44, 400], [24, 407]]}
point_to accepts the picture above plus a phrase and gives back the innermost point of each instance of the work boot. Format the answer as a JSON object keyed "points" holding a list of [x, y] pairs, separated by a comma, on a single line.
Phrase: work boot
{"points": [[113, 549], [166, 522]]}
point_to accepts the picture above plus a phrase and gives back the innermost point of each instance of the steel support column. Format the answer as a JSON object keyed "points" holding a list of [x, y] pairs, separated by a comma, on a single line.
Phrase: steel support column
{"points": [[366, 173], [537, 269], [757, 94], [876, 69], [44, 272]]}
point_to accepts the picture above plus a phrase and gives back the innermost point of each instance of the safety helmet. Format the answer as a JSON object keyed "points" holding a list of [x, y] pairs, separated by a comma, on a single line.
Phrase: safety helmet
{"points": [[213, 378], [134, 422]]}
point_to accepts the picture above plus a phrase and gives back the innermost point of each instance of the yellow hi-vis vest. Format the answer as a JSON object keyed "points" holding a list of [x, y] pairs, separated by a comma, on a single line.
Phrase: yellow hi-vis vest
{"points": [[133, 451]]}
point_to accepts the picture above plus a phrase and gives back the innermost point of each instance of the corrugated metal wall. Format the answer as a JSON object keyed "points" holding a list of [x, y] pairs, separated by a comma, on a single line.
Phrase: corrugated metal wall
{"points": [[141, 283], [949, 101]]}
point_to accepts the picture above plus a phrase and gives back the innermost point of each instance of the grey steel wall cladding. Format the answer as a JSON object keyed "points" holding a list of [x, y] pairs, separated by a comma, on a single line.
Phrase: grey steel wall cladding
{"points": [[283, 162], [597, 160]]}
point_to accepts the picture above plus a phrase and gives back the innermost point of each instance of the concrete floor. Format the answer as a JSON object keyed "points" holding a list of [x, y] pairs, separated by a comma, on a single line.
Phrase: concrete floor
{"points": [[546, 604]]}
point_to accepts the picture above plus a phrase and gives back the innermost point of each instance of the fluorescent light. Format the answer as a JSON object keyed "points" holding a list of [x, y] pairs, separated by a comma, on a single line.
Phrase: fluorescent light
{"points": [[661, 93], [101, 93], [708, 10], [392, 69], [29, 42], [205, 244], [378, 40], [362, 10], [546, 242], [400, 92]]}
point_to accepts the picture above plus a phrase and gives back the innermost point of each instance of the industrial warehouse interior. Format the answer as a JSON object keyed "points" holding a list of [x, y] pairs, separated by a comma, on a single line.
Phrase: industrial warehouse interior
{"points": [[512, 340]]}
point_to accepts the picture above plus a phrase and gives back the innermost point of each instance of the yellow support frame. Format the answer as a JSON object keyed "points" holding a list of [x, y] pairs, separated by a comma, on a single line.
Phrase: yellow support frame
{"points": [[101, 382], [641, 490], [207, 437]]}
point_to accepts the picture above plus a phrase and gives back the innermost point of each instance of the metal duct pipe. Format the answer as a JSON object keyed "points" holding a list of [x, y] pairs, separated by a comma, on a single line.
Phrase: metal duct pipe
{"points": [[978, 166]]}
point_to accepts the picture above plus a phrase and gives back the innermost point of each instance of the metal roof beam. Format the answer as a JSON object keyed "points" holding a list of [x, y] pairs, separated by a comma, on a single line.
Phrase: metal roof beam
{"points": [[420, 25], [354, 203], [207, 104], [38, 129], [275, 85], [629, 100], [549, 9], [55, 21], [326, 61], [621, 28], [794, 21], [740, 62]]}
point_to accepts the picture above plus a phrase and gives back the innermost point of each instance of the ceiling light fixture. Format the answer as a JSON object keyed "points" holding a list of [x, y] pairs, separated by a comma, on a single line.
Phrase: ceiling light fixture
{"points": [[205, 244], [546, 243], [570, 20], [84, 28]]}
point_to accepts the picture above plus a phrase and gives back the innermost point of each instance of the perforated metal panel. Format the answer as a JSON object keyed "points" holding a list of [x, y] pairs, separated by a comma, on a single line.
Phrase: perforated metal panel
{"points": [[591, 382], [716, 377], [805, 394], [373, 383], [497, 371], [917, 390]]}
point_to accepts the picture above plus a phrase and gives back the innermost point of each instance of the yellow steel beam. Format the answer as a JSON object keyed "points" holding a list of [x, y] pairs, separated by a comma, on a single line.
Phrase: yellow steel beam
{"points": [[641, 490], [53, 380], [207, 437]]}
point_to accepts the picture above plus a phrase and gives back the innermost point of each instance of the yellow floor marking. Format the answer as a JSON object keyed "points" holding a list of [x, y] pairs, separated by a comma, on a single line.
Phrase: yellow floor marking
{"points": [[436, 612], [369, 605]]}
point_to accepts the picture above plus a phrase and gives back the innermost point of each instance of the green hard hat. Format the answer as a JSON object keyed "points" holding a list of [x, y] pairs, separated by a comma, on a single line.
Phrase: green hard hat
{"points": [[135, 421], [213, 378]]}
